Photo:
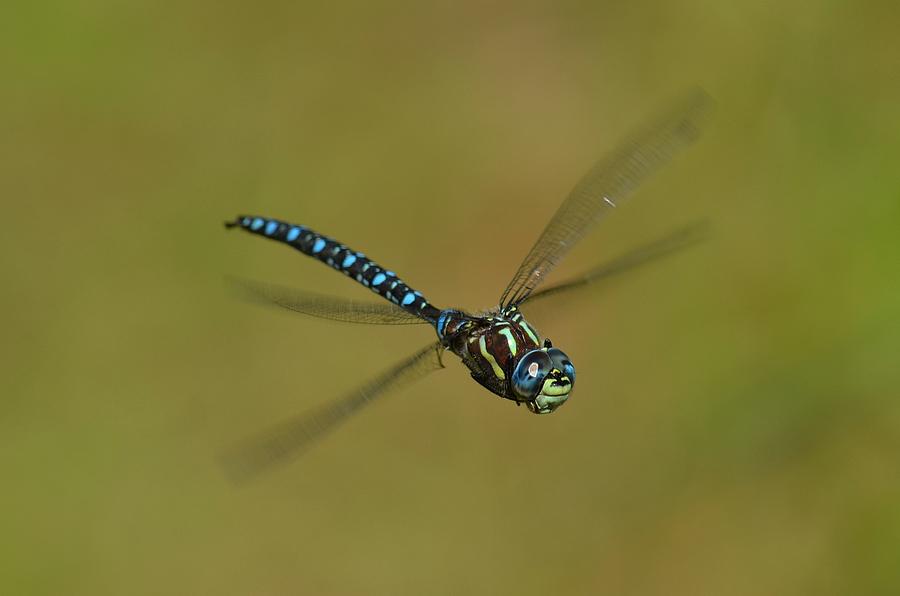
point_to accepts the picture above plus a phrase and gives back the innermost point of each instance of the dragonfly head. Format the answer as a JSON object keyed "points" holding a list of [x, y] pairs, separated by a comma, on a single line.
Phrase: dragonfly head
{"points": [[543, 379]]}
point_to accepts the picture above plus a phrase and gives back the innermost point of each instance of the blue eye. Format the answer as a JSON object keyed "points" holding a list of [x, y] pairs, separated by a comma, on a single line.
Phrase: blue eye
{"points": [[561, 362], [528, 377]]}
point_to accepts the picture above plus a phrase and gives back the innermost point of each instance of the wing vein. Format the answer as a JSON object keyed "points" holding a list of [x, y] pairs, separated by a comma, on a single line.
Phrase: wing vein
{"points": [[322, 306], [282, 442], [604, 187]]}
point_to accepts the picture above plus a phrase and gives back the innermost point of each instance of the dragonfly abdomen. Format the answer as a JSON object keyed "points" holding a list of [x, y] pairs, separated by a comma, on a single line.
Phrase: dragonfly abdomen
{"points": [[354, 264]]}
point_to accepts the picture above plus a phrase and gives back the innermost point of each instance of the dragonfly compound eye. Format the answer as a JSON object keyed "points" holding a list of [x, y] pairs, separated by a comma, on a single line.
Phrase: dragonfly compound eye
{"points": [[529, 375], [562, 363], [557, 385]]}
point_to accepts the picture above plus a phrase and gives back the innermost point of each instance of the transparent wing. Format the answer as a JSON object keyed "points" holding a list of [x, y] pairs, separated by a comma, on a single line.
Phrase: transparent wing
{"points": [[682, 238], [604, 187], [279, 444], [322, 306]]}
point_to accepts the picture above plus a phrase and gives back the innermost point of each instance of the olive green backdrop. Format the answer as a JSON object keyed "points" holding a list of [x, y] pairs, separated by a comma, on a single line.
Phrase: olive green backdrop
{"points": [[735, 429]]}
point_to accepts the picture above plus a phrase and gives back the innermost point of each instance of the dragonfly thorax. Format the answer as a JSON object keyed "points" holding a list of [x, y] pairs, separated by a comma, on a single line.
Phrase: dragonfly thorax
{"points": [[505, 355]]}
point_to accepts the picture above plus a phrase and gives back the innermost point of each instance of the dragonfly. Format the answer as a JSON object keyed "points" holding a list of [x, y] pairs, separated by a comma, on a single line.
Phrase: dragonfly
{"points": [[503, 352]]}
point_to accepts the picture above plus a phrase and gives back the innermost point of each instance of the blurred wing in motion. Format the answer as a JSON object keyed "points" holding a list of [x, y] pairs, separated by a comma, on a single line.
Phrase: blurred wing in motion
{"points": [[682, 238], [322, 306], [604, 187], [279, 444]]}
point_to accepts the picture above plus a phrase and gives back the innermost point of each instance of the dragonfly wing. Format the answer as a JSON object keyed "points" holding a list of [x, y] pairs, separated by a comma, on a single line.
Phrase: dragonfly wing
{"points": [[279, 444], [680, 239], [604, 187], [322, 306]]}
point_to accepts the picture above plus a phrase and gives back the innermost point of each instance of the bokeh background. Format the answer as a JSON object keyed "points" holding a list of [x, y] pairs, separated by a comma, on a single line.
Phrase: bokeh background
{"points": [[735, 429]]}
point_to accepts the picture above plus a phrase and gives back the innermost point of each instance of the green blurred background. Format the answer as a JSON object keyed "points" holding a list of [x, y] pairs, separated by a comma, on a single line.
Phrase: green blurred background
{"points": [[735, 429]]}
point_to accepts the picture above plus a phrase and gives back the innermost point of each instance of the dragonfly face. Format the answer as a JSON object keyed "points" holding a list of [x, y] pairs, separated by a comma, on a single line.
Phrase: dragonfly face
{"points": [[543, 379]]}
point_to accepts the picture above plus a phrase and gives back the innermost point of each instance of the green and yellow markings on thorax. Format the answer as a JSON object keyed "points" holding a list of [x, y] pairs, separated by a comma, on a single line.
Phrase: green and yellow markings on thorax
{"points": [[516, 317], [482, 346], [503, 341], [510, 339]]}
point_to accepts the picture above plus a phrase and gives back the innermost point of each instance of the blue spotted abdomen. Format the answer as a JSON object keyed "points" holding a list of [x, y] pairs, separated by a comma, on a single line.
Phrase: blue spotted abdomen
{"points": [[334, 254]]}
